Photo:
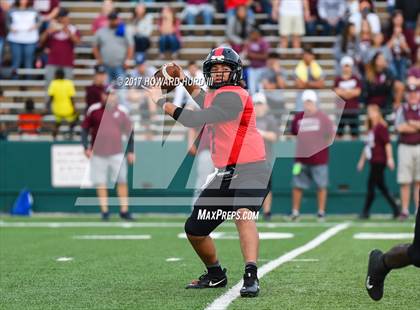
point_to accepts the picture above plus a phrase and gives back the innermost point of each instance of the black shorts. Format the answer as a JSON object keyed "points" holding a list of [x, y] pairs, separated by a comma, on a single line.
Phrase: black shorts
{"points": [[232, 188]]}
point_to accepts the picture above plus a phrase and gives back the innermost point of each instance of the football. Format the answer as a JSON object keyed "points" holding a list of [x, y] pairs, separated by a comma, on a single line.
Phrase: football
{"points": [[167, 77]]}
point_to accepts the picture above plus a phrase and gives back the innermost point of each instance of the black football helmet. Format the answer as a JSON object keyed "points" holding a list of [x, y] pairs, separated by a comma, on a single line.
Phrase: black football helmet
{"points": [[227, 56]]}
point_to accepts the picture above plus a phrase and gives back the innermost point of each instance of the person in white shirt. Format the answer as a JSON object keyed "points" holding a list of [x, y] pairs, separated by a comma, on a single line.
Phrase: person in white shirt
{"points": [[366, 13], [23, 22], [291, 15]]}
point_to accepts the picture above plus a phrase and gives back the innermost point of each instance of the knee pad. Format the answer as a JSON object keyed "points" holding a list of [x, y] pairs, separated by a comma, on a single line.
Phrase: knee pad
{"points": [[414, 254]]}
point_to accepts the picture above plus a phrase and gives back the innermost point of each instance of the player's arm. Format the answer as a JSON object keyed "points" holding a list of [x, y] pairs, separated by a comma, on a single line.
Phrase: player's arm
{"points": [[226, 106]]}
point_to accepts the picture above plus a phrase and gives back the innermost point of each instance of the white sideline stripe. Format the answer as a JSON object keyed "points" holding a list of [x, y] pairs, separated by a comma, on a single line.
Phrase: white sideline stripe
{"points": [[113, 237], [383, 236], [181, 224], [223, 301]]}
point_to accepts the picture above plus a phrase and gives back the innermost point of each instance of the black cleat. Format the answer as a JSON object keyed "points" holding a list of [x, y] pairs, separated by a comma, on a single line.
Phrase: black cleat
{"points": [[105, 216], [209, 281], [251, 286], [127, 216], [376, 275]]}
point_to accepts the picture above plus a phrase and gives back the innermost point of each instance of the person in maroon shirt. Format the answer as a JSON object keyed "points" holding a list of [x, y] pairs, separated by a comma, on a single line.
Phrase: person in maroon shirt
{"points": [[315, 133], [107, 122], [378, 151], [60, 40], [407, 124], [381, 86], [240, 183], [94, 92], [48, 9], [348, 87]]}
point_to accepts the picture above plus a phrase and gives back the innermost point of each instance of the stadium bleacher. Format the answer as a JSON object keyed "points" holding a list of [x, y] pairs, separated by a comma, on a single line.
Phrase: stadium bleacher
{"points": [[194, 47]]}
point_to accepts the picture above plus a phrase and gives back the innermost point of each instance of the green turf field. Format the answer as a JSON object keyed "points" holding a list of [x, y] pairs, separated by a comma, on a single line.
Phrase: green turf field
{"points": [[135, 274]]}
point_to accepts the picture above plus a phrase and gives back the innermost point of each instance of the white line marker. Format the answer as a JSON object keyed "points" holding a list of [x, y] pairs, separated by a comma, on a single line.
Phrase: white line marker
{"points": [[113, 237], [223, 301], [383, 236], [305, 260], [64, 259], [173, 259], [234, 235]]}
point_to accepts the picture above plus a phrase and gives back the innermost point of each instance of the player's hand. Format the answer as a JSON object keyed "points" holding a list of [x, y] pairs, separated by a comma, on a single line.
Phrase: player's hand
{"points": [[88, 153], [391, 164], [154, 93], [131, 158]]}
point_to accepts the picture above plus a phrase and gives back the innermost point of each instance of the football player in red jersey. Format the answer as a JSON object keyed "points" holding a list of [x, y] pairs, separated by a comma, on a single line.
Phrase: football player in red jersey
{"points": [[240, 181]]}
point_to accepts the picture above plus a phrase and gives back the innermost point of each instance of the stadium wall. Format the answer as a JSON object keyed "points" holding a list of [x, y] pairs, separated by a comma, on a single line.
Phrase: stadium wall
{"points": [[28, 165]]}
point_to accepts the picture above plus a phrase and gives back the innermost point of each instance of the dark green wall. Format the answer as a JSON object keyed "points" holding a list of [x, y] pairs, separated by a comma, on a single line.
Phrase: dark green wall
{"points": [[27, 164]]}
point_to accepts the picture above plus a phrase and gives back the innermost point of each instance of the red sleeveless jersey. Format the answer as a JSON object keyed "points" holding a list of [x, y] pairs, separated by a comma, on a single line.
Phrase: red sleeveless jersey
{"points": [[237, 141]]}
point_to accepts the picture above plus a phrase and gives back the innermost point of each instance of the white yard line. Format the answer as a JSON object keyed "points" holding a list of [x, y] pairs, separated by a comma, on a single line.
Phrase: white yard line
{"points": [[226, 299], [112, 237], [383, 236]]}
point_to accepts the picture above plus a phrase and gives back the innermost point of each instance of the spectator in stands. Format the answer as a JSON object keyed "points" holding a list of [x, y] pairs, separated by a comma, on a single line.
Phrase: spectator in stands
{"points": [[142, 28], [366, 13], [182, 97], [48, 10], [314, 131], [102, 19], [332, 15], [414, 72], [380, 84], [308, 73], [348, 44], [377, 46], [3, 31], [94, 92], [273, 80], [60, 39], [23, 22], [113, 46], [61, 94], [407, 124], [400, 48], [378, 151], [268, 128], [107, 123], [396, 22], [365, 37], [29, 122], [136, 95], [239, 28], [256, 50], [170, 34], [231, 7], [410, 10], [349, 88], [198, 7], [291, 16], [311, 22]]}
